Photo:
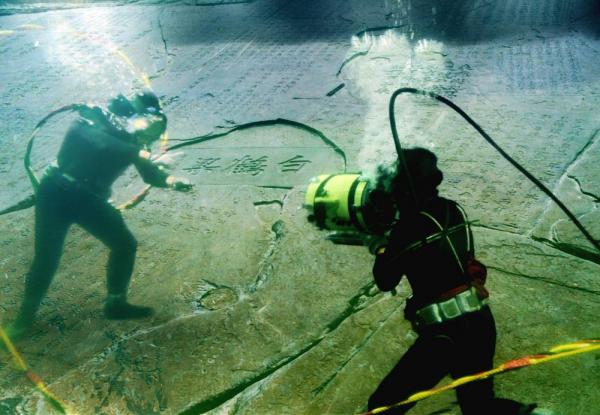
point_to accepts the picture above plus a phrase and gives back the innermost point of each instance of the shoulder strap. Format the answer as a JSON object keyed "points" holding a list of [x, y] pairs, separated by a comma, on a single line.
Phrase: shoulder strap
{"points": [[467, 224], [446, 237]]}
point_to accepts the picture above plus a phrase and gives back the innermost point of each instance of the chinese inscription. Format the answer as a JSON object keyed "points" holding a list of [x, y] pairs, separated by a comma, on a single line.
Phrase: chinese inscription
{"points": [[294, 164], [206, 164], [248, 164]]}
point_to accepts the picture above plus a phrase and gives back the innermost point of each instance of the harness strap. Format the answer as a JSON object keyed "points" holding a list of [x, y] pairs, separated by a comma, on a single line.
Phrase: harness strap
{"points": [[447, 240], [453, 292]]}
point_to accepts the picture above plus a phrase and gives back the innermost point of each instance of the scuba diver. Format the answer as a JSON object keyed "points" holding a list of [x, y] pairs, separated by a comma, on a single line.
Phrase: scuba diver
{"points": [[96, 150], [432, 244]]}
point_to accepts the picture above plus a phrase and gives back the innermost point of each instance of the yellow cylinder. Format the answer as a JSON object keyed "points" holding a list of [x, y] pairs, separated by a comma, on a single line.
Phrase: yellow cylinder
{"points": [[335, 201]]}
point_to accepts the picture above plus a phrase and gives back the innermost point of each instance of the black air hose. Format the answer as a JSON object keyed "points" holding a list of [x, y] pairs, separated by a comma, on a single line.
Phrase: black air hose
{"points": [[29, 201], [480, 130]]}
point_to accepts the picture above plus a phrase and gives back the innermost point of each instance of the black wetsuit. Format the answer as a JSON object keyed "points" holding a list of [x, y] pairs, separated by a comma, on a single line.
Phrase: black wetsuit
{"points": [[459, 347], [94, 153]]}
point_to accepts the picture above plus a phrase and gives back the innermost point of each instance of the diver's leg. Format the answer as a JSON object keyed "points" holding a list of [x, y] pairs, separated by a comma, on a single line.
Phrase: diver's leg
{"points": [[106, 223], [425, 363], [51, 225], [475, 352]]}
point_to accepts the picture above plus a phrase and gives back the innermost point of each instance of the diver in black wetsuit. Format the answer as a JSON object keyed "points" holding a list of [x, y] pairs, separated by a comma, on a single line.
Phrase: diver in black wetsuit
{"points": [[432, 245], [96, 150]]}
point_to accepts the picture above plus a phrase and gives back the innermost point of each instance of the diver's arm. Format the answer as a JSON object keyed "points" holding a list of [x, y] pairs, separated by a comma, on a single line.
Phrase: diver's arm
{"points": [[389, 265], [386, 275], [155, 175], [151, 173]]}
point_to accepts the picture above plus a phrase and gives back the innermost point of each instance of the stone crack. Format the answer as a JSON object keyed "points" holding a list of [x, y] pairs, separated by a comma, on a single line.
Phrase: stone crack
{"points": [[162, 36], [565, 175], [570, 249], [168, 54], [492, 228], [354, 352], [111, 386], [355, 304], [583, 150], [118, 343], [580, 188], [547, 280], [269, 202], [266, 267]]}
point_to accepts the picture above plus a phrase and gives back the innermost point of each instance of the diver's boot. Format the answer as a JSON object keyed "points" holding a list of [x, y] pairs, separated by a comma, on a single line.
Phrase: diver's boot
{"points": [[16, 330], [117, 308]]}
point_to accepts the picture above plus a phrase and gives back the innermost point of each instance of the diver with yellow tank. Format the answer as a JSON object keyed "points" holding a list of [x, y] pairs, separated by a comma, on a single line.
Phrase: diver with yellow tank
{"points": [[448, 307], [414, 232]]}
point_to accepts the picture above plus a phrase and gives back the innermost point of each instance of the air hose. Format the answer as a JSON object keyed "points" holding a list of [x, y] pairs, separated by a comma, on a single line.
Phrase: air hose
{"points": [[29, 201], [480, 130], [35, 182]]}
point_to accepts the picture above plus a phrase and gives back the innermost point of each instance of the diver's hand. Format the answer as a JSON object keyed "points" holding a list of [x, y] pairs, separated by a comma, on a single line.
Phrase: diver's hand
{"points": [[376, 243], [167, 159], [180, 184], [144, 154]]}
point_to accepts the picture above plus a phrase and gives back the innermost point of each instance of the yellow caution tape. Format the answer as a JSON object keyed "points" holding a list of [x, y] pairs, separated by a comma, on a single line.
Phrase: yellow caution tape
{"points": [[555, 353], [35, 379]]}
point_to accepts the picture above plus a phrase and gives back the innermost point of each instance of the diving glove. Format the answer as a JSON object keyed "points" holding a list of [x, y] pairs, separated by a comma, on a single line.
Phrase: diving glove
{"points": [[376, 243], [179, 183]]}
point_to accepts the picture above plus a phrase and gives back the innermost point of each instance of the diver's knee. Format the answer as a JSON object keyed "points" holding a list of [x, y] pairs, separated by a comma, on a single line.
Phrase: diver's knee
{"points": [[131, 244], [126, 245]]}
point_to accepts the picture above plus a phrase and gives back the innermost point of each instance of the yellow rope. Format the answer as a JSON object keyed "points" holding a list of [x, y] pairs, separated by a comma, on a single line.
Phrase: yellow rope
{"points": [[557, 352], [35, 379]]}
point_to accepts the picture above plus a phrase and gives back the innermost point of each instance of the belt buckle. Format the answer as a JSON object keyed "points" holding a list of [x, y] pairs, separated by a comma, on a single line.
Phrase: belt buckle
{"points": [[429, 314], [450, 308], [468, 301]]}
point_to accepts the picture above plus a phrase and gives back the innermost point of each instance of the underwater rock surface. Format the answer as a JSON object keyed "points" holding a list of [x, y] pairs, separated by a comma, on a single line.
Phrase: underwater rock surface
{"points": [[256, 312]]}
